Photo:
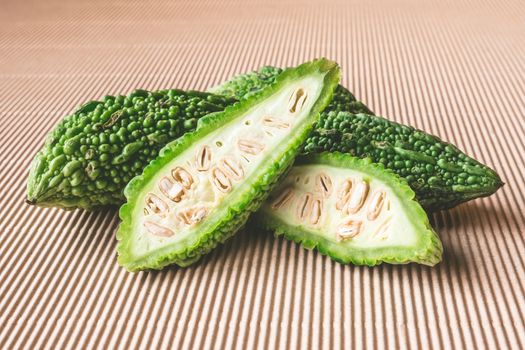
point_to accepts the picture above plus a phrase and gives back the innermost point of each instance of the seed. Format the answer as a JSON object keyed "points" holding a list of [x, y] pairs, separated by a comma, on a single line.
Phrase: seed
{"points": [[156, 205], [381, 230], [297, 100], [203, 158], [199, 214], [173, 190], [348, 229], [157, 229], [182, 176], [323, 183], [316, 212], [344, 194], [232, 168], [359, 194], [192, 215], [220, 180], [275, 123], [376, 204], [304, 207], [249, 146], [283, 199]]}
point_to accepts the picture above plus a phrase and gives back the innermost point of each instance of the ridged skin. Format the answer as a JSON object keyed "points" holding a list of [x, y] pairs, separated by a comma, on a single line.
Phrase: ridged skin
{"points": [[427, 250], [441, 175], [92, 154], [249, 197]]}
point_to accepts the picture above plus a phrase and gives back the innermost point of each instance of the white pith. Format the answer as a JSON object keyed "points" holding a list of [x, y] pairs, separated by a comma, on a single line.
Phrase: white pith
{"points": [[226, 143], [391, 227]]}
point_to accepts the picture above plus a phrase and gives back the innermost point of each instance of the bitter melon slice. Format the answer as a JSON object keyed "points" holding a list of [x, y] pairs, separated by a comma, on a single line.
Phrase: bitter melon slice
{"points": [[352, 210], [203, 186]]}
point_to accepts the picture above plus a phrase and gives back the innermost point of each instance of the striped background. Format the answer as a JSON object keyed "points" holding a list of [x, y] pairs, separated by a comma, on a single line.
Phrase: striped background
{"points": [[454, 68]]}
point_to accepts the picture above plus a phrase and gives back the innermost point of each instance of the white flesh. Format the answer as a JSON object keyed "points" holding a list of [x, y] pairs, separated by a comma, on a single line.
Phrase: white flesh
{"points": [[389, 228]]}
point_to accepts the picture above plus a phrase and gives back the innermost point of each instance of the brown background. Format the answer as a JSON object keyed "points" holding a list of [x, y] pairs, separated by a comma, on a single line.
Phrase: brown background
{"points": [[453, 68]]}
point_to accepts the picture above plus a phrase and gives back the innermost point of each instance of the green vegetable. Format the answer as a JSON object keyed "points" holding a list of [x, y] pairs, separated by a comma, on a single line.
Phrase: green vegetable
{"points": [[110, 142], [92, 154], [203, 186], [352, 210], [244, 85], [441, 175]]}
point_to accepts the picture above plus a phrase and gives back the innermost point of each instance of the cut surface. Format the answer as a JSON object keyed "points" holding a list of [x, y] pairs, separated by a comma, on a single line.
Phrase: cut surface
{"points": [[352, 210], [203, 186]]}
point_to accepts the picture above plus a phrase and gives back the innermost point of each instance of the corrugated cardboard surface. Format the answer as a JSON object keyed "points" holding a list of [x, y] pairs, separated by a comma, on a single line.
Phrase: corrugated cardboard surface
{"points": [[453, 68]]}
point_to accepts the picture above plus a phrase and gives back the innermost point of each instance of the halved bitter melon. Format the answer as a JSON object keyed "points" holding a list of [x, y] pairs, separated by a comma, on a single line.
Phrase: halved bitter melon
{"points": [[352, 210], [203, 186]]}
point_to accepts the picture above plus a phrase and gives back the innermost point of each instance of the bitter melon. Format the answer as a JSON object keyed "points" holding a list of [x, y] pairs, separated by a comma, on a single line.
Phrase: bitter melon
{"points": [[441, 175], [203, 186], [92, 154], [243, 85], [352, 210]]}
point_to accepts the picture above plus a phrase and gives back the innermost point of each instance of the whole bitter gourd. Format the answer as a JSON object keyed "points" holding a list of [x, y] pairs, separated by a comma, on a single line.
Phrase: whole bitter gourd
{"points": [[441, 175], [92, 154], [202, 187], [243, 85], [352, 210]]}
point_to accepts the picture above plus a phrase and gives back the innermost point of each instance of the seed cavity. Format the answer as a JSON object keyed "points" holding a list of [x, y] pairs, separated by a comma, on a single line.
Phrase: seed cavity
{"points": [[316, 212], [277, 123], [232, 168], [249, 146], [375, 205], [348, 229], [297, 100], [220, 180], [284, 198], [323, 184], [344, 194], [157, 230], [381, 231], [193, 215], [203, 158], [183, 177], [358, 197], [156, 205], [246, 159], [304, 206], [173, 190]]}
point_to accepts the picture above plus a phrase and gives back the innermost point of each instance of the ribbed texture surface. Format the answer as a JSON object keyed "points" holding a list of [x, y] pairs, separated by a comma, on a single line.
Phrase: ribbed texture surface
{"points": [[453, 68]]}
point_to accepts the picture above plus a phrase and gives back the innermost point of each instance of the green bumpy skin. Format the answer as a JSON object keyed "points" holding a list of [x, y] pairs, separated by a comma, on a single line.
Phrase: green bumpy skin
{"points": [[203, 186], [441, 175], [353, 211], [92, 154], [243, 85]]}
